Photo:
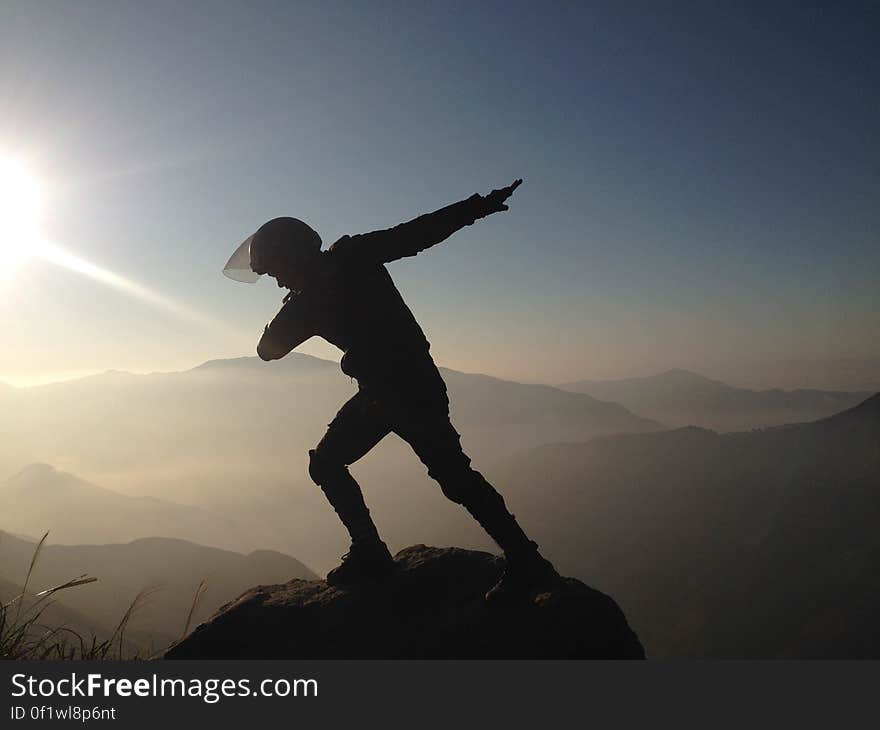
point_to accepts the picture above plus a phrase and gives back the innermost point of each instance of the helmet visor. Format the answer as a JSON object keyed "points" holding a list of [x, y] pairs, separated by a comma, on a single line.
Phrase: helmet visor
{"points": [[239, 265]]}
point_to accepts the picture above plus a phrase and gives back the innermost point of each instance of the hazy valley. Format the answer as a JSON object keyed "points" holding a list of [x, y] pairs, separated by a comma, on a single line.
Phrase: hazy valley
{"points": [[714, 544]]}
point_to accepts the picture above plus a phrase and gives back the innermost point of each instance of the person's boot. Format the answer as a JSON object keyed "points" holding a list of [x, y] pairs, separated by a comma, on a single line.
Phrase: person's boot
{"points": [[526, 569], [366, 561], [526, 573]]}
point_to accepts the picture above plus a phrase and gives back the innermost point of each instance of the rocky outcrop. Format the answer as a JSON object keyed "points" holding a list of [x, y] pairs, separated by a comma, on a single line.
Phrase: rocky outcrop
{"points": [[432, 608]]}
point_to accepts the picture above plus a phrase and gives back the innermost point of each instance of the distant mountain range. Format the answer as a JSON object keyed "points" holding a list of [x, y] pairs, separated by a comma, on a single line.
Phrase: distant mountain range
{"points": [[756, 544], [231, 438], [41, 498], [175, 567], [245, 411], [682, 398]]}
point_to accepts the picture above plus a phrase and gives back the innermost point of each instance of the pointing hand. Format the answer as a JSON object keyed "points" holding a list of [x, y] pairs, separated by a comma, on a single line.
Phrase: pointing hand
{"points": [[495, 199]]}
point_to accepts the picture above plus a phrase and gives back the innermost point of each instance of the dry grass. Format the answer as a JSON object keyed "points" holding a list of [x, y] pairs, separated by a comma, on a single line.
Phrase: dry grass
{"points": [[23, 635]]}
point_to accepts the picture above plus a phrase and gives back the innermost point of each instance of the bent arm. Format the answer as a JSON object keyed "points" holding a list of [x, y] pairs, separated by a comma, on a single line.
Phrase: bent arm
{"points": [[408, 239], [287, 330]]}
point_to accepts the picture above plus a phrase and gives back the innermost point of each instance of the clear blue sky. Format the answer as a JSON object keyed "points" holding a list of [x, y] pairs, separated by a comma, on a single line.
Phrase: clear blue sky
{"points": [[701, 180]]}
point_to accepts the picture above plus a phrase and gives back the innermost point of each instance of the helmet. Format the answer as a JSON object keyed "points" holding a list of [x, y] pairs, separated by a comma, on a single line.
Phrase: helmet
{"points": [[288, 237]]}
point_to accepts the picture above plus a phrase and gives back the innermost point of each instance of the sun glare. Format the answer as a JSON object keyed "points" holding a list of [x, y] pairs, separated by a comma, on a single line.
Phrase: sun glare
{"points": [[20, 213], [23, 237]]}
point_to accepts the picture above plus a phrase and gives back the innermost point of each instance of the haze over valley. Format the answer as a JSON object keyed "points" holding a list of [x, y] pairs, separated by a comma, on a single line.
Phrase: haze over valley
{"points": [[173, 477]]}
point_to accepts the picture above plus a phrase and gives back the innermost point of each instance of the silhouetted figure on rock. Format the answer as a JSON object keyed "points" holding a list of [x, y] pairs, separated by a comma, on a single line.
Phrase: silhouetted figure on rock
{"points": [[346, 296]]}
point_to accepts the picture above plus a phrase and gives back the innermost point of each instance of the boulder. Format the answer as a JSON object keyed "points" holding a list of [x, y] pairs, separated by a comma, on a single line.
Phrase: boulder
{"points": [[431, 608]]}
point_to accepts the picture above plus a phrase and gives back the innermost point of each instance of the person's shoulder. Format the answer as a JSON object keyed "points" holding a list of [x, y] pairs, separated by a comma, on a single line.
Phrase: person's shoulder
{"points": [[340, 247], [350, 252]]}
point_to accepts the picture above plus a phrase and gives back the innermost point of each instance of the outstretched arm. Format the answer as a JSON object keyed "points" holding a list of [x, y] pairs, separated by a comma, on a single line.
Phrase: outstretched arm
{"points": [[408, 239], [289, 329]]}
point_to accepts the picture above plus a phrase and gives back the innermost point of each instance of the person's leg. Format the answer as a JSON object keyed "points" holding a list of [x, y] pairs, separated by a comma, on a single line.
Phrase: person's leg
{"points": [[358, 427], [436, 442]]}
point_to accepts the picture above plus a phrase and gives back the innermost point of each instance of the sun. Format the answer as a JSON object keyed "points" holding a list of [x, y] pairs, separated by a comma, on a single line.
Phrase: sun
{"points": [[20, 213]]}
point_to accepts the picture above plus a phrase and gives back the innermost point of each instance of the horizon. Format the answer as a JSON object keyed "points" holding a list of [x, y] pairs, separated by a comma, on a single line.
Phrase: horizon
{"points": [[56, 378]]}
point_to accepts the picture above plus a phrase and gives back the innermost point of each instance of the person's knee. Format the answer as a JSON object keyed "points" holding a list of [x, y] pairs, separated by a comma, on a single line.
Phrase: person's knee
{"points": [[449, 473], [465, 486], [323, 468]]}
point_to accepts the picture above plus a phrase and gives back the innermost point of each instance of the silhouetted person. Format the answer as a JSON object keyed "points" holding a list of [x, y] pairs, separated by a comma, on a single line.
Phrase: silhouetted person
{"points": [[346, 296]]}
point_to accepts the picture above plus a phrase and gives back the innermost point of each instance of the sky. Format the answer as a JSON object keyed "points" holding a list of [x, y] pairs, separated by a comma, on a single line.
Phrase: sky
{"points": [[701, 180]]}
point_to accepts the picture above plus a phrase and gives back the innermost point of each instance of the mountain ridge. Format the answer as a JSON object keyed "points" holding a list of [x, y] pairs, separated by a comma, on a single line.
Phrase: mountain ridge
{"points": [[41, 497], [170, 569], [737, 545], [681, 397]]}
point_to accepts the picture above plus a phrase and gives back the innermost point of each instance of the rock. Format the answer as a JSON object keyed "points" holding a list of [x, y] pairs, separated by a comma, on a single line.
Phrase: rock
{"points": [[432, 608]]}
